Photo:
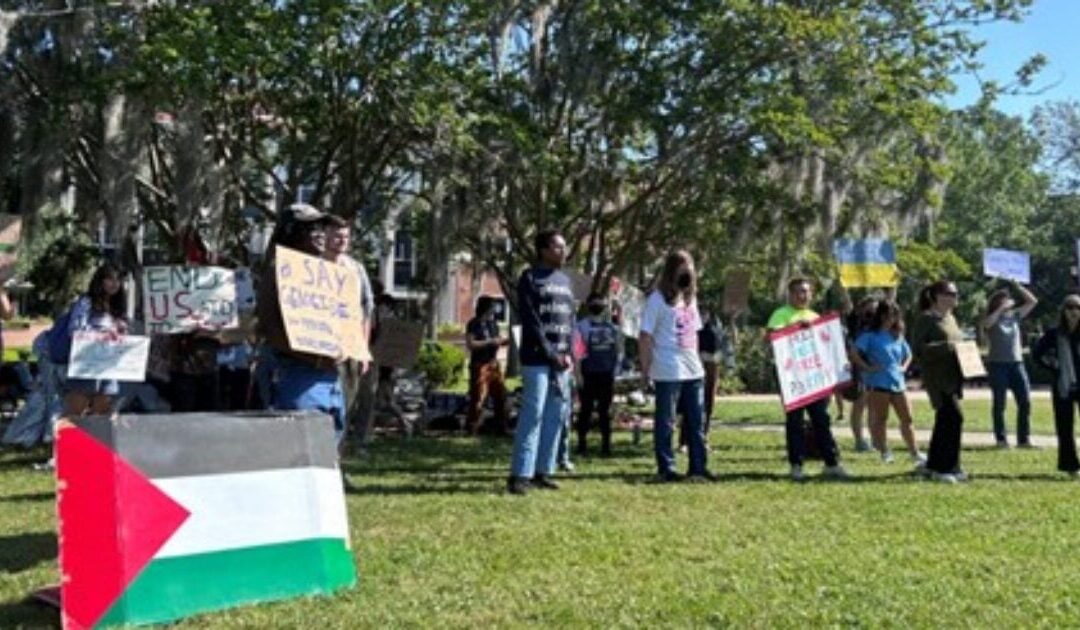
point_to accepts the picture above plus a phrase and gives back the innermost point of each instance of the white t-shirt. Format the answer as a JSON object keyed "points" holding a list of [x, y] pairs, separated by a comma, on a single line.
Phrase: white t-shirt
{"points": [[674, 331]]}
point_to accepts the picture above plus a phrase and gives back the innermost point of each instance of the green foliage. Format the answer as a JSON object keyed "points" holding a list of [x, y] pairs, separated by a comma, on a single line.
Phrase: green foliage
{"points": [[441, 363], [57, 257], [754, 365]]}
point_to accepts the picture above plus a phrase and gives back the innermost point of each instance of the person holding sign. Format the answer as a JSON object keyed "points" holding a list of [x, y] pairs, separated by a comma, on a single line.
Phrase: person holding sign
{"points": [[101, 309], [300, 380], [933, 340], [483, 340], [668, 345], [798, 311], [1058, 350], [546, 307], [882, 354], [1002, 325]]}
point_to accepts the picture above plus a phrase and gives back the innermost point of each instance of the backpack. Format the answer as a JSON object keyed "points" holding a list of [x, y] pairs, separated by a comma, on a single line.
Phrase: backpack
{"points": [[58, 338]]}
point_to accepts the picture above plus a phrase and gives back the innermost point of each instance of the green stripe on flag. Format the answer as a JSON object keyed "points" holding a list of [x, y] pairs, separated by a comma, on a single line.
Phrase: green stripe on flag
{"points": [[170, 588]]}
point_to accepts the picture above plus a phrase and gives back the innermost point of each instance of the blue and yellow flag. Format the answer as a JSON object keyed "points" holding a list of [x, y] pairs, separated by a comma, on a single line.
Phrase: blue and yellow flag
{"points": [[869, 262]]}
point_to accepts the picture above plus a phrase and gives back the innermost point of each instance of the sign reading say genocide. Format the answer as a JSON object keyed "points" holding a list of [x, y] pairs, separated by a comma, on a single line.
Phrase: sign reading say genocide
{"points": [[320, 304], [811, 361], [184, 299]]}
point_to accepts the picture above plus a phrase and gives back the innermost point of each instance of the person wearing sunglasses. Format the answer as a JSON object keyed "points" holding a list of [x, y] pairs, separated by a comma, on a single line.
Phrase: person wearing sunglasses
{"points": [[1059, 351], [933, 341]]}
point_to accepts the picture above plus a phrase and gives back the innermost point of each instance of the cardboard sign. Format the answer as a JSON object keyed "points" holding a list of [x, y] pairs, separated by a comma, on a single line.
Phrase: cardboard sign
{"points": [[971, 363], [736, 291], [811, 361], [105, 356], [320, 304], [398, 343], [631, 303], [1006, 264], [580, 284], [180, 299], [161, 517]]}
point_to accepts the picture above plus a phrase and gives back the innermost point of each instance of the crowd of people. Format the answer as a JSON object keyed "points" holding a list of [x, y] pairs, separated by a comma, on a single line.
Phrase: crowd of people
{"points": [[564, 357]]}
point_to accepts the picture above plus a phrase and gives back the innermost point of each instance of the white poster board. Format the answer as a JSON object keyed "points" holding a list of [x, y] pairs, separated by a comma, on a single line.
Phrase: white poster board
{"points": [[1007, 265], [180, 299], [811, 361], [106, 356], [631, 304]]}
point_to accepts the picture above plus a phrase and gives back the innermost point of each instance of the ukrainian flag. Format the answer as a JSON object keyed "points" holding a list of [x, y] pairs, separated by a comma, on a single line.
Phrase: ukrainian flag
{"points": [[867, 262]]}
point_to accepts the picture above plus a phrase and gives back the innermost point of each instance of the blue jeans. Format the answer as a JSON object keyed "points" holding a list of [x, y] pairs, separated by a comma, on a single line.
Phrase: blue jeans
{"points": [[689, 397], [544, 404], [304, 387], [1005, 377]]}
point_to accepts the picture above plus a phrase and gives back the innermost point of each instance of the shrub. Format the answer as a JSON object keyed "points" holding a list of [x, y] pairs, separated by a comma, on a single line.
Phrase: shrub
{"points": [[441, 363], [754, 362]]}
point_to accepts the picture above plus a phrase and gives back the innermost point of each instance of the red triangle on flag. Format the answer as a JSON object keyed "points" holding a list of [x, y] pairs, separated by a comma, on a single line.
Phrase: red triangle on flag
{"points": [[112, 521]]}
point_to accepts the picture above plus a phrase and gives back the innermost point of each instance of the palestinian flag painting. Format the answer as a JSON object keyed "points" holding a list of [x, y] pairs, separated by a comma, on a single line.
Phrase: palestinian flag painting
{"points": [[165, 516]]}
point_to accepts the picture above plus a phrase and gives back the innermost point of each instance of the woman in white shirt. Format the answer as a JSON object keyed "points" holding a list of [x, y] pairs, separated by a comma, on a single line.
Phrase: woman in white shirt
{"points": [[669, 357]]}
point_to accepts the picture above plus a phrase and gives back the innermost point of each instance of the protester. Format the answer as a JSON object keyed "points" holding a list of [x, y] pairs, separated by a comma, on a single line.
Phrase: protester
{"points": [[798, 311], [483, 341], [546, 309], [714, 348], [933, 340], [668, 345], [857, 322], [351, 372], [883, 356], [1006, 362], [101, 309], [1059, 351], [603, 345], [300, 381]]}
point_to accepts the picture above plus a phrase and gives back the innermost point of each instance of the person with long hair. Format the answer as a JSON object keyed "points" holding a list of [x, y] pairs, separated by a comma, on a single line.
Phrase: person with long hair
{"points": [[883, 356], [798, 311], [933, 339], [857, 322], [101, 309], [1059, 351], [668, 345], [1006, 362]]}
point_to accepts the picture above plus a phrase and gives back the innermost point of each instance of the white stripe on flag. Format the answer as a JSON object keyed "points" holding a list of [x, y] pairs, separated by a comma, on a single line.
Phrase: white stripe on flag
{"points": [[266, 507]]}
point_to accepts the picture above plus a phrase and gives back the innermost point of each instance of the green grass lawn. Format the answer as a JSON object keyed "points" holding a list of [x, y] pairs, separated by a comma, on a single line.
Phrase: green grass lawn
{"points": [[438, 544], [976, 415]]}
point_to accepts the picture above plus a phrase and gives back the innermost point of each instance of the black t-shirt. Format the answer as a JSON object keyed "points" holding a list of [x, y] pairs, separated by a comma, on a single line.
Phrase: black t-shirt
{"points": [[546, 308], [481, 329]]}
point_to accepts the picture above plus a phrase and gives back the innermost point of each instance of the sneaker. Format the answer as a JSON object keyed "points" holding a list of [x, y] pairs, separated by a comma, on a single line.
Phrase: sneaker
{"points": [[668, 477], [1074, 474], [960, 474], [945, 478], [887, 457], [544, 482], [48, 465], [919, 460], [862, 446], [837, 472], [566, 466], [797, 473], [704, 477], [517, 485], [1003, 445]]}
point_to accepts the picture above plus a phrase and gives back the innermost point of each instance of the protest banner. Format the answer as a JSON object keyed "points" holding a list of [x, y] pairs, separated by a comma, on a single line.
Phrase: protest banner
{"points": [[1007, 265], [811, 360], [180, 299], [320, 305], [971, 363], [736, 291], [106, 356], [398, 343]]}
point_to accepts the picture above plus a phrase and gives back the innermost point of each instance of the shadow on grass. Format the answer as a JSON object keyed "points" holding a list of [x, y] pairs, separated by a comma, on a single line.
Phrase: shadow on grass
{"points": [[28, 614], [23, 551], [29, 497]]}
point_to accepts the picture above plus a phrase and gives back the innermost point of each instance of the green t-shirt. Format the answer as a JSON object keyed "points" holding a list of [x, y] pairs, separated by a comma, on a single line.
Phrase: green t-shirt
{"points": [[787, 315]]}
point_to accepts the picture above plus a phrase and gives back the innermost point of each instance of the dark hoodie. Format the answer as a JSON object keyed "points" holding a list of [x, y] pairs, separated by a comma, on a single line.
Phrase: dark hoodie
{"points": [[546, 308]]}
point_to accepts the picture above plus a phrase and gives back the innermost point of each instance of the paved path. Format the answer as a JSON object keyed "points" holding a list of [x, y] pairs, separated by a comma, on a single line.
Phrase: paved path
{"points": [[922, 435], [981, 393]]}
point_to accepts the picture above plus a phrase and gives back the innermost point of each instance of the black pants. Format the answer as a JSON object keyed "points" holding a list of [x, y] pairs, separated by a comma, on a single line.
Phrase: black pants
{"points": [[1063, 425], [945, 438], [823, 437], [596, 392]]}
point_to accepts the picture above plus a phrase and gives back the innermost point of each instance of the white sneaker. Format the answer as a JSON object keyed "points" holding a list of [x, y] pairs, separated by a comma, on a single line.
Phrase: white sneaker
{"points": [[797, 473], [887, 457], [919, 460], [837, 472], [945, 477], [566, 466], [862, 446], [960, 474], [1074, 474]]}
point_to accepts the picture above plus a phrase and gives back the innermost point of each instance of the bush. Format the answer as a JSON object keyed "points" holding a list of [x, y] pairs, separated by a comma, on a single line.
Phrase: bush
{"points": [[441, 363], [754, 362]]}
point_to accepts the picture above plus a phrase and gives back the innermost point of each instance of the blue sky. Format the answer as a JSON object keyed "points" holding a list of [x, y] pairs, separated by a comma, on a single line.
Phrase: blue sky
{"points": [[1053, 29]]}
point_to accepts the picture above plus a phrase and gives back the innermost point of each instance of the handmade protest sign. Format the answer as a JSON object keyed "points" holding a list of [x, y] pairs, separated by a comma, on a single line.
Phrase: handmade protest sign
{"points": [[398, 343], [180, 299], [811, 361], [320, 305], [971, 363], [736, 291], [106, 356], [1007, 264]]}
